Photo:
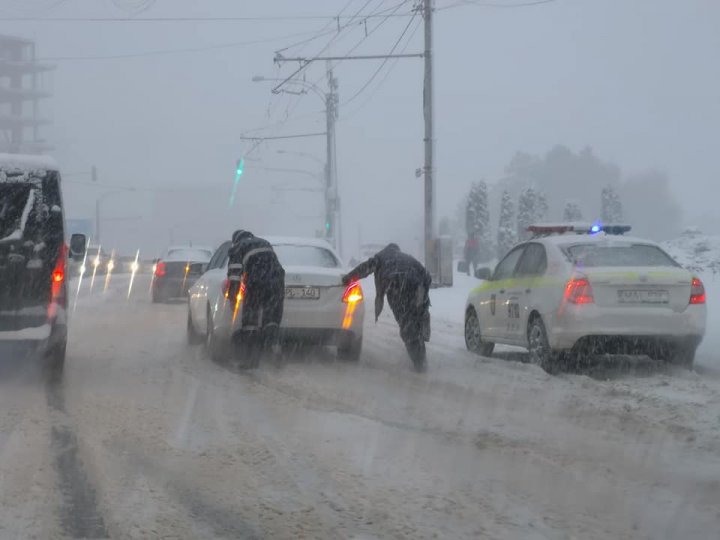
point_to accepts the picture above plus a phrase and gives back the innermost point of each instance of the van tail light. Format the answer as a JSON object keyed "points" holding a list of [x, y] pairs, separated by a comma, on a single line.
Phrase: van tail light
{"points": [[353, 293], [579, 291], [160, 269], [697, 291], [57, 281]]}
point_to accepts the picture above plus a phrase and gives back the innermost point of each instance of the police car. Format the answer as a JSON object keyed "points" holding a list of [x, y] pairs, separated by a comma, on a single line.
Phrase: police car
{"points": [[576, 290]]}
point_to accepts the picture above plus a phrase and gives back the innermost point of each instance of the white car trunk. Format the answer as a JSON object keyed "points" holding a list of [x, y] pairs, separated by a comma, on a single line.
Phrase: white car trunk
{"points": [[632, 287]]}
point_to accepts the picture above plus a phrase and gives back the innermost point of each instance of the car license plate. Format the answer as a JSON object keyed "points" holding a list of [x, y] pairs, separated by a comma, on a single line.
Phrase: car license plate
{"points": [[302, 293], [647, 296]]}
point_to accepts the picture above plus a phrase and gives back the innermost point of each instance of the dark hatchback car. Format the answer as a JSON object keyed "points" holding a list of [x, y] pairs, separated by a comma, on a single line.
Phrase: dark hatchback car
{"points": [[33, 259], [177, 271]]}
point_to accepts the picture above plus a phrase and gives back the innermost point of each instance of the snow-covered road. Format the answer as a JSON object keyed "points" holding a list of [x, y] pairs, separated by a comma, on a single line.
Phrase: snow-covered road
{"points": [[146, 438]]}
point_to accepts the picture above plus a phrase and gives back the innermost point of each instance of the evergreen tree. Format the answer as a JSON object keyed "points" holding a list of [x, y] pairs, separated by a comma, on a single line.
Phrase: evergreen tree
{"points": [[527, 212], [572, 212], [612, 210], [506, 237]]}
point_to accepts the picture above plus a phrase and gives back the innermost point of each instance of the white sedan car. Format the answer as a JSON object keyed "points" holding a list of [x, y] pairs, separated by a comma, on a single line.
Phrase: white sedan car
{"points": [[577, 291], [318, 308]]}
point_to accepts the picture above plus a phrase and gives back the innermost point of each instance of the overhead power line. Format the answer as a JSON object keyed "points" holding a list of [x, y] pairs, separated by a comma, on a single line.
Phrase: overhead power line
{"points": [[160, 52], [196, 19]]}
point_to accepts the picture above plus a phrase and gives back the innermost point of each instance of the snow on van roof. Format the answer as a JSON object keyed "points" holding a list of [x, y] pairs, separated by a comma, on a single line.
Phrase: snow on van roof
{"points": [[567, 239], [27, 162]]}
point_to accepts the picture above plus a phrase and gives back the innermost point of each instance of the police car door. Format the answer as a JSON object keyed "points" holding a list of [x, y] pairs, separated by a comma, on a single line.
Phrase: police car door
{"points": [[522, 295], [498, 295]]}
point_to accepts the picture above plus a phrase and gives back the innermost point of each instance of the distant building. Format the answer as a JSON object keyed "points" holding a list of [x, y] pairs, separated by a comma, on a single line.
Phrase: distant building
{"points": [[23, 84]]}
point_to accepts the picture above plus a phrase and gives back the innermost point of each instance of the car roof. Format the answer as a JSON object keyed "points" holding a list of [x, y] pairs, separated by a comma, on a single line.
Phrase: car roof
{"points": [[27, 162], [299, 241], [201, 248]]}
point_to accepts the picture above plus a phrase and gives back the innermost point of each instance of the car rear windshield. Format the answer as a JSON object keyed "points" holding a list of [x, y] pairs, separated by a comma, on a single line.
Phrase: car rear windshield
{"points": [[295, 255], [591, 255], [194, 255]]}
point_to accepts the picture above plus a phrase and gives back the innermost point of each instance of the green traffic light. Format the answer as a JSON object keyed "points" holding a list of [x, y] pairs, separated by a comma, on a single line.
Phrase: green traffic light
{"points": [[239, 169]]}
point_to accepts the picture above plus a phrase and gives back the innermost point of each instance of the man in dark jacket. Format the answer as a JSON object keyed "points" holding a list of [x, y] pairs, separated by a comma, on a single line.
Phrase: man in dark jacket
{"points": [[253, 263], [406, 283]]}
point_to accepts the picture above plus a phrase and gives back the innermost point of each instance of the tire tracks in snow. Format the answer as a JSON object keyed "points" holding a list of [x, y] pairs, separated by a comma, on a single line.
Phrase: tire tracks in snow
{"points": [[79, 514]]}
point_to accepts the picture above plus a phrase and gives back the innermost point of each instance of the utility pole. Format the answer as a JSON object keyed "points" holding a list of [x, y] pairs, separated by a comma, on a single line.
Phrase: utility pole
{"points": [[333, 224], [332, 198], [430, 262]]}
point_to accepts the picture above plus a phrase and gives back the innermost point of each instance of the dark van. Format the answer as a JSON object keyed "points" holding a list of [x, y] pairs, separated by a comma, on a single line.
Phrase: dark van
{"points": [[33, 258]]}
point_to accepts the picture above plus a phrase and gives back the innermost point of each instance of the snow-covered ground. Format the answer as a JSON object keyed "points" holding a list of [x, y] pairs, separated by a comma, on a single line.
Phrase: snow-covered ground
{"points": [[146, 438]]}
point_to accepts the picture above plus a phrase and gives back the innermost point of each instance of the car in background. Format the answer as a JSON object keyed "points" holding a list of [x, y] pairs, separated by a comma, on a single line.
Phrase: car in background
{"points": [[177, 271], [96, 260], [318, 308], [574, 291], [34, 258]]}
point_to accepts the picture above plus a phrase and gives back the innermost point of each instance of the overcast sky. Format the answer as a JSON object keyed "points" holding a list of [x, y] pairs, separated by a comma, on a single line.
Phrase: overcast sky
{"points": [[636, 80]]}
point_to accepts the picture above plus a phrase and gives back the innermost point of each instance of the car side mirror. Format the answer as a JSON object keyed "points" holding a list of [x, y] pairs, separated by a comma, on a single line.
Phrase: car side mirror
{"points": [[78, 246], [483, 273]]}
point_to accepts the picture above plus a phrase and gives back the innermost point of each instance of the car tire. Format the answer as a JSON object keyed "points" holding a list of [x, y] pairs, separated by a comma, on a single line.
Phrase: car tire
{"points": [[156, 299], [212, 347], [193, 337], [473, 338], [684, 356], [55, 363], [539, 347], [350, 348]]}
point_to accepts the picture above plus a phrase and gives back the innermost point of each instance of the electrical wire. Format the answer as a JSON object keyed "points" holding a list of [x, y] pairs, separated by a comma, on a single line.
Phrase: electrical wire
{"points": [[480, 3], [374, 91], [382, 64], [259, 18], [161, 52]]}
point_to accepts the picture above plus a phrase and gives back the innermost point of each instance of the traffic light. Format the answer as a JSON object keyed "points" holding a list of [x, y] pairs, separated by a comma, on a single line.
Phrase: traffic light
{"points": [[239, 168]]}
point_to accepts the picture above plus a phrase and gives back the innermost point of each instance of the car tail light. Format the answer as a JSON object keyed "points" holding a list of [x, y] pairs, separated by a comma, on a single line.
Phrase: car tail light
{"points": [[697, 292], [241, 293], [579, 291], [352, 297], [160, 269], [353, 293]]}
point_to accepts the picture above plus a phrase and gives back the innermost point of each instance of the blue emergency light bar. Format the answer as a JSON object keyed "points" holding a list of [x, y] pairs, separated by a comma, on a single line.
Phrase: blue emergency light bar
{"points": [[547, 229]]}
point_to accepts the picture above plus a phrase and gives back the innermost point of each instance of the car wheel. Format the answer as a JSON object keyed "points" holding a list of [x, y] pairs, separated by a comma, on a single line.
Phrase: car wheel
{"points": [[539, 347], [156, 299], [350, 347], [56, 361], [211, 344], [193, 338], [473, 337], [684, 356]]}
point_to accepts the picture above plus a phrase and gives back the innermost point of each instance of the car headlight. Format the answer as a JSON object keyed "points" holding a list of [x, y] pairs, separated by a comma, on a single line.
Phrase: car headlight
{"points": [[111, 265], [134, 267], [96, 262]]}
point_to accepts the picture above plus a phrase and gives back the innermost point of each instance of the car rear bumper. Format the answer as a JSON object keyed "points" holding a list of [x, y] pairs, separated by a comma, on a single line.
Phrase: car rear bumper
{"points": [[297, 324], [578, 322], [173, 287]]}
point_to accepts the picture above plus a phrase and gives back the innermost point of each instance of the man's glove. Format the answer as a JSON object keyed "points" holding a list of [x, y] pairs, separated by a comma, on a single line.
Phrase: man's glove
{"points": [[346, 279]]}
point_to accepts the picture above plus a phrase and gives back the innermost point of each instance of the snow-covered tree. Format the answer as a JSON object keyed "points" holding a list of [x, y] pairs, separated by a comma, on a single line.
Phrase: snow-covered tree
{"points": [[477, 215], [541, 208], [612, 210], [572, 211], [506, 237], [532, 207]]}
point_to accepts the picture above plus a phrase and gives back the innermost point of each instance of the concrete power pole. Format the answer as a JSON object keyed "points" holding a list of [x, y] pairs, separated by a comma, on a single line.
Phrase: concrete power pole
{"points": [[430, 262], [332, 199]]}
